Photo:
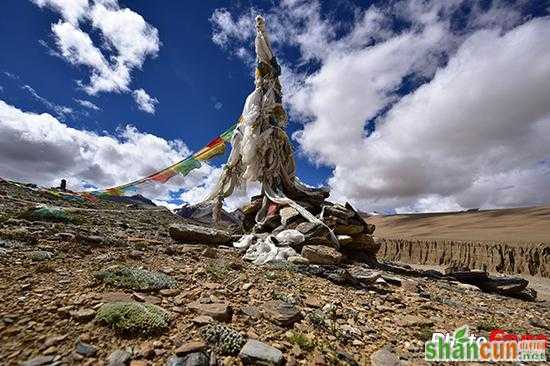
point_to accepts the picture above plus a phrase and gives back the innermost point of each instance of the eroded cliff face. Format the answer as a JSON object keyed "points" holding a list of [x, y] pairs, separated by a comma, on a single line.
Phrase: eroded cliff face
{"points": [[512, 258]]}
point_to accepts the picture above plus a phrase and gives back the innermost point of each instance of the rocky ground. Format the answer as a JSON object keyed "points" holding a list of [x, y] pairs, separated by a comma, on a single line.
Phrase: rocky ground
{"points": [[59, 279]]}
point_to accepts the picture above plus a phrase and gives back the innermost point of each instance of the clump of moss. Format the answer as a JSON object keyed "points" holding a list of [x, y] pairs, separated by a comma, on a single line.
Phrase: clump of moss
{"points": [[224, 340], [217, 270], [288, 298], [488, 324], [135, 278], [133, 317], [50, 214], [317, 319], [40, 255], [304, 342]]}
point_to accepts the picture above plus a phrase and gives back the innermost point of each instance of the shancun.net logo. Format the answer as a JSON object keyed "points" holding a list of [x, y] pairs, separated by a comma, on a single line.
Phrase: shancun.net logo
{"points": [[501, 346]]}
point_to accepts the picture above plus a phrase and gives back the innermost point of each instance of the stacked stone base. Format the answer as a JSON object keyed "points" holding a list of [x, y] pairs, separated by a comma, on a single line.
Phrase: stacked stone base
{"points": [[354, 235]]}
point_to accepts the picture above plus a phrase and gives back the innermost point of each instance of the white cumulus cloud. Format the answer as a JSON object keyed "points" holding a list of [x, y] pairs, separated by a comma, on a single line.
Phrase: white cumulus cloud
{"points": [[127, 40], [144, 101]]}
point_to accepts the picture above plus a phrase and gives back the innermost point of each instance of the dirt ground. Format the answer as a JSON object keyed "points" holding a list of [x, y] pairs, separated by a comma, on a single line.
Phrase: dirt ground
{"points": [[48, 302]]}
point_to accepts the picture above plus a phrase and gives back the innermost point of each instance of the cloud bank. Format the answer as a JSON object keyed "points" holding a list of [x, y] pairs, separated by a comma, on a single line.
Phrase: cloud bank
{"points": [[54, 151], [429, 117]]}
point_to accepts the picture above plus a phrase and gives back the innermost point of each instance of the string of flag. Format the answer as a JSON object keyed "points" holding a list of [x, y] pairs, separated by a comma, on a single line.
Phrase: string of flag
{"points": [[184, 167]]}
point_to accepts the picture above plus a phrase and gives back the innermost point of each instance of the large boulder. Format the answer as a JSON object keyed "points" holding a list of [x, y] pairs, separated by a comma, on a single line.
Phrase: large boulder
{"points": [[194, 234]]}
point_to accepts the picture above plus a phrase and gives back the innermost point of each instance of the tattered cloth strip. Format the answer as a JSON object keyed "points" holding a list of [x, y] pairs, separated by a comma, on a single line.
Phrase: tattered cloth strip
{"points": [[264, 248], [184, 167]]}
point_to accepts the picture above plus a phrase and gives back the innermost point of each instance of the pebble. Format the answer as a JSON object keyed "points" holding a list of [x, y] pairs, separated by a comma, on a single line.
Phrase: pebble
{"points": [[84, 337], [50, 351], [321, 254], [247, 286], [85, 349], [298, 259], [116, 297], [138, 296], [218, 311], [202, 320], [313, 301], [147, 350], [54, 340], [169, 292], [256, 352], [136, 254], [119, 358], [138, 363]]}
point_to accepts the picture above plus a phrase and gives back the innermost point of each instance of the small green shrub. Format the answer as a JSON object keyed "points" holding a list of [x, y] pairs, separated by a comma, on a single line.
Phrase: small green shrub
{"points": [[305, 343], [133, 317], [217, 270], [317, 319], [135, 278], [288, 298]]}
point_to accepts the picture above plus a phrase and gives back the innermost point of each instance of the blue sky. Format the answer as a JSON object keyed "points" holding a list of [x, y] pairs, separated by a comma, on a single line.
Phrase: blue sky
{"points": [[375, 91]]}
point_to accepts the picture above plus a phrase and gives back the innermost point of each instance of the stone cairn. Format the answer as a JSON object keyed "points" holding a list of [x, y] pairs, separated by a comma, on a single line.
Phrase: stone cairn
{"points": [[288, 221], [354, 234], [287, 229]]}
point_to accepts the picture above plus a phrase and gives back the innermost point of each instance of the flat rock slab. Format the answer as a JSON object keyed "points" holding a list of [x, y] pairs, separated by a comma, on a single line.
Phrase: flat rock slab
{"points": [[187, 233], [86, 350], [281, 313], [257, 353], [321, 254], [190, 347], [218, 311], [363, 275]]}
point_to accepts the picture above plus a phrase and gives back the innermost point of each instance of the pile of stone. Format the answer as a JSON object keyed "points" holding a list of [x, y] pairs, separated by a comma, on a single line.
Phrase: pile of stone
{"points": [[289, 236]]}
